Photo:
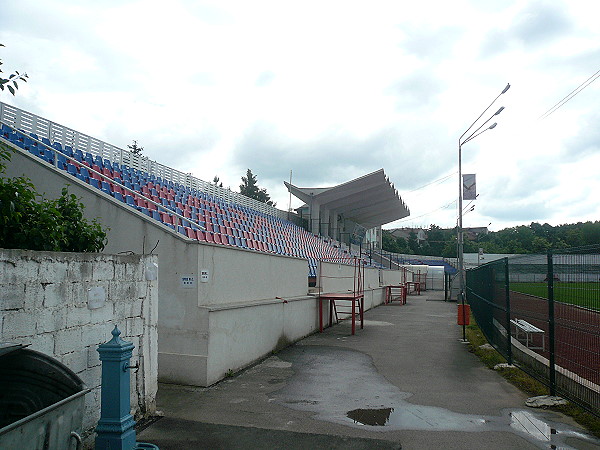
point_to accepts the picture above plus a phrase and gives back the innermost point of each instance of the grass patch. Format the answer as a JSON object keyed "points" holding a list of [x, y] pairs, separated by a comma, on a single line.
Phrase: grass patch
{"points": [[490, 357], [586, 294]]}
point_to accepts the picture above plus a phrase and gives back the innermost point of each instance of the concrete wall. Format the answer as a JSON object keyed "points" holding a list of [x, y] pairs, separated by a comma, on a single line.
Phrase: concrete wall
{"points": [[66, 304], [234, 277], [207, 325]]}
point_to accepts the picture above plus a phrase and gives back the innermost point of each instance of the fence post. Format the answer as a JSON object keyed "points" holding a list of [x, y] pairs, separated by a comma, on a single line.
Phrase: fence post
{"points": [[551, 323], [507, 293]]}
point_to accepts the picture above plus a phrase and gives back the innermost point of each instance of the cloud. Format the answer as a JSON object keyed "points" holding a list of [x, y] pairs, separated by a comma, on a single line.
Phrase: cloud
{"points": [[431, 43], [540, 22], [417, 90], [537, 24], [329, 158], [265, 78], [586, 141], [521, 211], [530, 180]]}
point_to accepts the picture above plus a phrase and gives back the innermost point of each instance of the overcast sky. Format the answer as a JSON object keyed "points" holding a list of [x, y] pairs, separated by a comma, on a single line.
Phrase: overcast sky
{"points": [[332, 90]]}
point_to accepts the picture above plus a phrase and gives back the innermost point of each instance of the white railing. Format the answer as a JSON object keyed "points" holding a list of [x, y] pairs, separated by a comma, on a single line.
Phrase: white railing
{"points": [[44, 128]]}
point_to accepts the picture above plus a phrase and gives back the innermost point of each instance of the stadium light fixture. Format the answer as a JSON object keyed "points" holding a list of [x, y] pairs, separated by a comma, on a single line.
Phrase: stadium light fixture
{"points": [[460, 234], [473, 135]]}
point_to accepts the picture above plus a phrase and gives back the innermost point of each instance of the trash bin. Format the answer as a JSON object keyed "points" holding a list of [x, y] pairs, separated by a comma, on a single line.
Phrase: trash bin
{"points": [[41, 401]]}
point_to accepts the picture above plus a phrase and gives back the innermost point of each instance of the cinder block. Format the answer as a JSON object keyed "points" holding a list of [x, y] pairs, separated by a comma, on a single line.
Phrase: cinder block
{"points": [[24, 269], [120, 311], [103, 271], [78, 293], [34, 295], [79, 271], [92, 376], [123, 290], [78, 316], [91, 407], [76, 361], [97, 333], [93, 357], [18, 324], [135, 326], [119, 268], [50, 320], [43, 342], [56, 295], [8, 272], [67, 341], [104, 314], [136, 307], [12, 296], [152, 300], [52, 271], [134, 271]]}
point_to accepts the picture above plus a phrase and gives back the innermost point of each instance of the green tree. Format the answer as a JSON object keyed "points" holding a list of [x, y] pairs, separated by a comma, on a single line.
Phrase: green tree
{"points": [[388, 242], [540, 245], [591, 233], [217, 181], [135, 149], [413, 244], [402, 245], [574, 237], [249, 188], [10, 83]]}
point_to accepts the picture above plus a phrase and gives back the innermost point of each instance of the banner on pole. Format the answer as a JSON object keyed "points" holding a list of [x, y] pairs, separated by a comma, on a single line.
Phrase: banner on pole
{"points": [[469, 187]]}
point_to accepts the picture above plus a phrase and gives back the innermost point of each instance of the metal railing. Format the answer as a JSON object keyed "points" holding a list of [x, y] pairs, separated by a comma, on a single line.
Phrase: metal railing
{"points": [[44, 128], [542, 313]]}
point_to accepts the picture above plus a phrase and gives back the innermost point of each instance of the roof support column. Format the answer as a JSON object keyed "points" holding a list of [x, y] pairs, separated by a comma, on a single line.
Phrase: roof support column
{"points": [[324, 226], [314, 210], [333, 220]]}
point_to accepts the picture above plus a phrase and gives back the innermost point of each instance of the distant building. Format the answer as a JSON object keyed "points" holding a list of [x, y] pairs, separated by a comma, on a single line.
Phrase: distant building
{"points": [[405, 233]]}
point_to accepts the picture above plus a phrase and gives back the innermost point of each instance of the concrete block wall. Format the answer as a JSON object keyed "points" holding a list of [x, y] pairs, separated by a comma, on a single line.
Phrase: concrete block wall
{"points": [[66, 304]]}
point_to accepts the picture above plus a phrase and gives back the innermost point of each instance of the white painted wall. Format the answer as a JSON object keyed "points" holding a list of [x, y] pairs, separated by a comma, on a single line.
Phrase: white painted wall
{"points": [[205, 329], [66, 304]]}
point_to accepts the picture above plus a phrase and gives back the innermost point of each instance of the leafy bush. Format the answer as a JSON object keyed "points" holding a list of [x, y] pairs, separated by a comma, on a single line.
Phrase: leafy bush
{"points": [[27, 222]]}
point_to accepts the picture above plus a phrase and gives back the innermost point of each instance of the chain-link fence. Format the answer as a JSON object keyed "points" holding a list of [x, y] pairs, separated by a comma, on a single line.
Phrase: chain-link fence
{"points": [[542, 312]]}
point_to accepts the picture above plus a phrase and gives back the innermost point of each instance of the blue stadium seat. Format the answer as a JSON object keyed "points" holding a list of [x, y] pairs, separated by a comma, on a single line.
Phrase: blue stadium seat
{"points": [[129, 200], [72, 169], [106, 188], [84, 173], [61, 161]]}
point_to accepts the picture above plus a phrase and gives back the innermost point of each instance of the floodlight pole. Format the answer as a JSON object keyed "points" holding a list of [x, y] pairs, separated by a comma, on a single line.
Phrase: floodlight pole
{"points": [[460, 235]]}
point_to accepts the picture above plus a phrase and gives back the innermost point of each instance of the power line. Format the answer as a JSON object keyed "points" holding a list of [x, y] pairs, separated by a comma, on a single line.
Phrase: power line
{"points": [[433, 182], [571, 94], [430, 212]]}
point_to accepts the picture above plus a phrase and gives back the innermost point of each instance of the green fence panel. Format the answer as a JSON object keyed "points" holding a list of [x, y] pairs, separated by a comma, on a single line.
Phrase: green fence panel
{"points": [[543, 312]]}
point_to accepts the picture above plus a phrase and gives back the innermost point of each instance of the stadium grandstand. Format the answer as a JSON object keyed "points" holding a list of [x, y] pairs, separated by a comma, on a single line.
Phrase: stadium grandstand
{"points": [[250, 254]]}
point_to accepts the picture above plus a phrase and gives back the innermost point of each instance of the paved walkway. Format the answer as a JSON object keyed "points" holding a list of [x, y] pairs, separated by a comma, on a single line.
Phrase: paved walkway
{"points": [[405, 381]]}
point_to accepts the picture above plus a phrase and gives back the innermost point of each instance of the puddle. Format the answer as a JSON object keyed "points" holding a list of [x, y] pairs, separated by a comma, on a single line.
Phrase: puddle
{"points": [[374, 417], [332, 383], [414, 417]]}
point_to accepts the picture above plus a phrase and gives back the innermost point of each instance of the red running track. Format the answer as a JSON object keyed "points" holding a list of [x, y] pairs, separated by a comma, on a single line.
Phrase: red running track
{"points": [[576, 332]]}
